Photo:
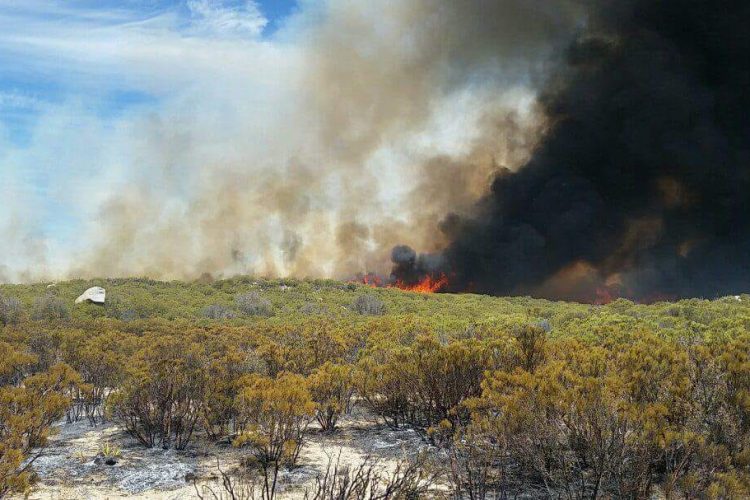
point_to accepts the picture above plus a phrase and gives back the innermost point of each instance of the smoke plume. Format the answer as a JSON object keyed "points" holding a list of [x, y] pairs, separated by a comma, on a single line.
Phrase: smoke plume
{"points": [[358, 126], [640, 183]]}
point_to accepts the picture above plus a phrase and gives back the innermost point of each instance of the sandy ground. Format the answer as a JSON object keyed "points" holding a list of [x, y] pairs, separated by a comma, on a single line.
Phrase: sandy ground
{"points": [[69, 468]]}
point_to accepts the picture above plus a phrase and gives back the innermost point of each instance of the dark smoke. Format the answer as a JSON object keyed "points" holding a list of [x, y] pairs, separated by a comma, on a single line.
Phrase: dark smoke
{"points": [[409, 268], [641, 182]]}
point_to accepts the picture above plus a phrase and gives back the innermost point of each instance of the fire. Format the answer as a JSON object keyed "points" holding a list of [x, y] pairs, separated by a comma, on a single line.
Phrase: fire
{"points": [[372, 280], [426, 285], [604, 296]]}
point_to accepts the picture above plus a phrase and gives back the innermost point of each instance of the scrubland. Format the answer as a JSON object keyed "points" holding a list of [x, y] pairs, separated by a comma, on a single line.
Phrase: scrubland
{"points": [[250, 388]]}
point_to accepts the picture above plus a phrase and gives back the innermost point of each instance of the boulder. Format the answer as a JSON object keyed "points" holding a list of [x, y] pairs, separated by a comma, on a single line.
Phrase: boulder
{"points": [[95, 294]]}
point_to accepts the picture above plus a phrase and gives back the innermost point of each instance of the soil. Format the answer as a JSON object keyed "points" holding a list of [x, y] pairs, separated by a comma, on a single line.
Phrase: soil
{"points": [[73, 467]]}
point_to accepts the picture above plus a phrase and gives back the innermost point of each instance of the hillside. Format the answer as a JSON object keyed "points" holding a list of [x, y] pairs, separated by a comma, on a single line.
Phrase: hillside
{"points": [[296, 300], [298, 387]]}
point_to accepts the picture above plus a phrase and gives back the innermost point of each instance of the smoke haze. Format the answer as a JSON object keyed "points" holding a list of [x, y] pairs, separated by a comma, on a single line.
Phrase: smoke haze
{"points": [[356, 127], [565, 149]]}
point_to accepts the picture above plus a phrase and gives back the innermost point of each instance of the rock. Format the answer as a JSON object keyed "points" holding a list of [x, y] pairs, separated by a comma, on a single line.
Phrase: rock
{"points": [[95, 294]]}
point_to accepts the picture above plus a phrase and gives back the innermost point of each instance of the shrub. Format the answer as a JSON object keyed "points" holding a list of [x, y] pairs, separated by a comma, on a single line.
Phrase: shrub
{"points": [[254, 304], [409, 479], [11, 311], [310, 308], [369, 304], [217, 311], [117, 308], [50, 307], [425, 383], [332, 389], [163, 394], [27, 412], [531, 340], [274, 414], [226, 372]]}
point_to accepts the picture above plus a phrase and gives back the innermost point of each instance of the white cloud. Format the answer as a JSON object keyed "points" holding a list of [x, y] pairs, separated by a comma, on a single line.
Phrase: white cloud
{"points": [[18, 100], [215, 17]]}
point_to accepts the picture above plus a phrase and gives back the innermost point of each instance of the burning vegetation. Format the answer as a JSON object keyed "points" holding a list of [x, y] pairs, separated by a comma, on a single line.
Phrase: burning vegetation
{"points": [[427, 284], [639, 185]]}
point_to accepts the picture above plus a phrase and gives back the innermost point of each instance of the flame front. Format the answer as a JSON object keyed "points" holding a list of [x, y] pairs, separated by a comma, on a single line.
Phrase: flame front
{"points": [[427, 285]]}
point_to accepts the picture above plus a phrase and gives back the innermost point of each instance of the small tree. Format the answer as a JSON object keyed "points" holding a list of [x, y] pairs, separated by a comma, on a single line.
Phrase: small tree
{"points": [[332, 389], [254, 304], [274, 414]]}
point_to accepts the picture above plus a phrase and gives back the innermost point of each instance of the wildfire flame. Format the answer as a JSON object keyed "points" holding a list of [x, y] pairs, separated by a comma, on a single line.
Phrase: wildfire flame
{"points": [[604, 296], [372, 280], [426, 285]]}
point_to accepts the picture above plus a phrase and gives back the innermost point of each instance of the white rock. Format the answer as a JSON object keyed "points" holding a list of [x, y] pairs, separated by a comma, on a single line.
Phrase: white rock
{"points": [[94, 294]]}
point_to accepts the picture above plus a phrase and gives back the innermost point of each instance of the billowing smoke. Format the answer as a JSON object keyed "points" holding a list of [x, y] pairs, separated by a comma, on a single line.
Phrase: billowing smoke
{"points": [[358, 126], [640, 183]]}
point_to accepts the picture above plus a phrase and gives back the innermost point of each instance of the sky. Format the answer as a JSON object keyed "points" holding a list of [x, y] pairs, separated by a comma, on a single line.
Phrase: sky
{"points": [[170, 138], [84, 64], [31, 28]]}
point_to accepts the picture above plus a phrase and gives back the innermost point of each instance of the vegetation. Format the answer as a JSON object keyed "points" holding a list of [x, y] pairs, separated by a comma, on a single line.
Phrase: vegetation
{"points": [[517, 395]]}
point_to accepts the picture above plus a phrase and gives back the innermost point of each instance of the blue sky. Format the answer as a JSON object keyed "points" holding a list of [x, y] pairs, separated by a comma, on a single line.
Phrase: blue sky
{"points": [[25, 86], [71, 69]]}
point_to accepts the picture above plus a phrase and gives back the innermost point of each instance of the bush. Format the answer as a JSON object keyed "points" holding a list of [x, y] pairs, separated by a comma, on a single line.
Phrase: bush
{"points": [[163, 394], [49, 308], [254, 304], [369, 304], [117, 308], [368, 479], [310, 308], [217, 311], [27, 413], [274, 414], [11, 310], [332, 389]]}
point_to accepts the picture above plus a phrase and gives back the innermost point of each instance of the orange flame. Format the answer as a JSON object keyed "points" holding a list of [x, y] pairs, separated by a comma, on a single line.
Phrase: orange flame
{"points": [[604, 296], [372, 280], [426, 285]]}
